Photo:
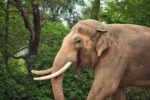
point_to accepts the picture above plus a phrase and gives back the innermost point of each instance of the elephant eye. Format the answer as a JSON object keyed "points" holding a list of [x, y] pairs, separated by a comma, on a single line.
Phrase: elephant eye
{"points": [[78, 42]]}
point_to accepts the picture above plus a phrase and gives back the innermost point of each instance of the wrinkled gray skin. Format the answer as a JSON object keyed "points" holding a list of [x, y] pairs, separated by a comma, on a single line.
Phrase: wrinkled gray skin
{"points": [[118, 53]]}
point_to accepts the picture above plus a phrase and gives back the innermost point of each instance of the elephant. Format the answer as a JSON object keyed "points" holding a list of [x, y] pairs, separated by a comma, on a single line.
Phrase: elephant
{"points": [[119, 55]]}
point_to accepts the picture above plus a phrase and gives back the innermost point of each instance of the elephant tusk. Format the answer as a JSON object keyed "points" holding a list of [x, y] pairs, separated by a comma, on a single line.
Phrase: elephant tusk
{"points": [[55, 74], [42, 72]]}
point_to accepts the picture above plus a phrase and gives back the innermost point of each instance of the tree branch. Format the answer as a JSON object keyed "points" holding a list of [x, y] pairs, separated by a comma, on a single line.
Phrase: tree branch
{"points": [[20, 7], [19, 57], [20, 50]]}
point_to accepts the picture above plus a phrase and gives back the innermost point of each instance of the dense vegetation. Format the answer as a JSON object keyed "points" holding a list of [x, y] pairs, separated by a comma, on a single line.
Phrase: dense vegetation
{"points": [[49, 21]]}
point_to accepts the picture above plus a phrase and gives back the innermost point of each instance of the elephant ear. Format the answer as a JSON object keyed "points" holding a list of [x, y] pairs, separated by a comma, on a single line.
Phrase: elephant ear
{"points": [[101, 45], [101, 29], [101, 40]]}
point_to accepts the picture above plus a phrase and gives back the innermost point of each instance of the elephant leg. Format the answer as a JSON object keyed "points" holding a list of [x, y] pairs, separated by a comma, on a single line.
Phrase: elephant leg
{"points": [[102, 88], [119, 94], [94, 90], [106, 91]]}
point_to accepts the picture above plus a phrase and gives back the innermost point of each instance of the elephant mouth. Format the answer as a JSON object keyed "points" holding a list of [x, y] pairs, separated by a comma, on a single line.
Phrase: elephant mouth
{"points": [[50, 76]]}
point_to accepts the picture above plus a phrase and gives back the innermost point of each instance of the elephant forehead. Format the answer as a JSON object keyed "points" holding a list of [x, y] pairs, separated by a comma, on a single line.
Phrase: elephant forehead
{"points": [[90, 22], [81, 36], [70, 37], [85, 29]]}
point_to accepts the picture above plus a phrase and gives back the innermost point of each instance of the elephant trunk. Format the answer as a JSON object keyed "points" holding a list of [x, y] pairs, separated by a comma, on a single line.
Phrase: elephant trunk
{"points": [[57, 86], [57, 82], [60, 65]]}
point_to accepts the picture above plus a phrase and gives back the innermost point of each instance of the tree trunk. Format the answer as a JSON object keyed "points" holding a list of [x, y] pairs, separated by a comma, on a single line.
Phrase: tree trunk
{"points": [[35, 29], [5, 54], [35, 36], [95, 9]]}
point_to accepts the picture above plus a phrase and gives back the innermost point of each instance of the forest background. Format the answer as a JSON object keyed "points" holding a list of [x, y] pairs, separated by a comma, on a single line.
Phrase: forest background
{"points": [[31, 33]]}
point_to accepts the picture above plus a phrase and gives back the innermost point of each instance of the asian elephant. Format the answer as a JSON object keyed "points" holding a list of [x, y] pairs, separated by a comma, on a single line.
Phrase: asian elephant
{"points": [[118, 53]]}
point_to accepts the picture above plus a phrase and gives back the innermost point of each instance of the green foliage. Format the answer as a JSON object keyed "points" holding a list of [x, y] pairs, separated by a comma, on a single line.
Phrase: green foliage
{"points": [[77, 87], [53, 33], [17, 85], [138, 93], [95, 9], [127, 11]]}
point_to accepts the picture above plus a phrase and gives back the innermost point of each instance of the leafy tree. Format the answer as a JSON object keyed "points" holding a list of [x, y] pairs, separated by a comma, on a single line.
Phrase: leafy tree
{"points": [[95, 9], [127, 11]]}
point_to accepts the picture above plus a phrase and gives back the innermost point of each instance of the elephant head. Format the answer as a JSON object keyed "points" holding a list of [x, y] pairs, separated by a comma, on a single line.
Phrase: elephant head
{"points": [[80, 46]]}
